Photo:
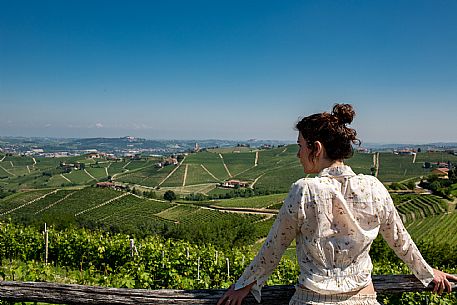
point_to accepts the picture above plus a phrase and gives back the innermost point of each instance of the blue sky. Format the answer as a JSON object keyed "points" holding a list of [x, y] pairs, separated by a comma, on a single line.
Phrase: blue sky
{"points": [[227, 69]]}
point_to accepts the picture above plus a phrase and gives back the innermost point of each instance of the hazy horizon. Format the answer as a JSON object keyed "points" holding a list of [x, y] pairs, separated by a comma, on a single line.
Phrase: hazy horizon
{"points": [[227, 69]]}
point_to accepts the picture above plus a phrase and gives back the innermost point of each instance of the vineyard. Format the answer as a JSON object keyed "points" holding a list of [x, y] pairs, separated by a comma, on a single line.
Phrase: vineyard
{"points": [[207, 228], [269, 169], [99, 258], [123, 211], [416, 207]]}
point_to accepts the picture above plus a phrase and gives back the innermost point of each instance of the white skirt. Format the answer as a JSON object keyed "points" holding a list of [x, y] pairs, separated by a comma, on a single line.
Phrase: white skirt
{"points": [[304, 296]]}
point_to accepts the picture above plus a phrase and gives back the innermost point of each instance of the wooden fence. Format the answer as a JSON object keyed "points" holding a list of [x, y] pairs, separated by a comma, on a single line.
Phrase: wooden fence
{"points": [[79, 294]]}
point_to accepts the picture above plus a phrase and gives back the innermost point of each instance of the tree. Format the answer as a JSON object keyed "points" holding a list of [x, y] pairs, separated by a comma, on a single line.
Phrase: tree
{"points": [[169, 196], [411, 185]]}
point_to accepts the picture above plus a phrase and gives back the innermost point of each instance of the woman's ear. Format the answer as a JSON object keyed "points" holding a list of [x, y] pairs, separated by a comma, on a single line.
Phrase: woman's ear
{"points": [[319, 149]]}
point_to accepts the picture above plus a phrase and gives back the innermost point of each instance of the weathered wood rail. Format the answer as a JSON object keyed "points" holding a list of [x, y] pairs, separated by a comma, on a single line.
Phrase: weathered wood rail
{"points": [[78, 294]]}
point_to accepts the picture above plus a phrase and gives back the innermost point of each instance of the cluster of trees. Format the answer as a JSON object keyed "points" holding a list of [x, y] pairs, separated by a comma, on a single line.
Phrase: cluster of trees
{"points": [[168, 195], [410, 185], [441, 187], [5, 193], [147, 194]]}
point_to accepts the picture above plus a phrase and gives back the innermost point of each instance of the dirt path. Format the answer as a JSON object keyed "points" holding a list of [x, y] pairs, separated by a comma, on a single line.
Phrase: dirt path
{"points": [[7, 171], [225, 166], [101, 204], [414, 158], [185, 175], [209, 172], [90, 175], [3, 158], [11, 162], [28, 203], [126, 164], [61, 175], [54, 203], [256, 158], [34, 161], [106, 170], [376, 163], [172, 172], [28, 169], [255, 181]]}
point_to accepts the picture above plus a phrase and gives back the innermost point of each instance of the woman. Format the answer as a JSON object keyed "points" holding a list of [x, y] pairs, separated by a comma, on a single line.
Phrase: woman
{"points": [[334, 218]]}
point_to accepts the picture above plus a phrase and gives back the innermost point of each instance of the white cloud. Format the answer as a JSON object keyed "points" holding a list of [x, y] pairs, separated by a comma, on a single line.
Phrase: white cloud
{"points": [[99, 125]]}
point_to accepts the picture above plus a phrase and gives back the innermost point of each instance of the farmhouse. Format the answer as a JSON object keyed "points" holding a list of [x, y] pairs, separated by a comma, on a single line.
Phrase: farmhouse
{"points": [[442, 172], [405, 152], [105, 184], [68, 167], [167, 161], [234, 184], [111, 185], [93, 155]]}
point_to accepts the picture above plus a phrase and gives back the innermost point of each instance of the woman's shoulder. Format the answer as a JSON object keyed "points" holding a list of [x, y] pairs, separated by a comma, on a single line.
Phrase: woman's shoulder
{"points": [[311, 183], [369, 179]]}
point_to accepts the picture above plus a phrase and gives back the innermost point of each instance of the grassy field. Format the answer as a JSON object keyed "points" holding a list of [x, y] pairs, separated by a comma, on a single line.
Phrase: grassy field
{"points": [[268, 201]]}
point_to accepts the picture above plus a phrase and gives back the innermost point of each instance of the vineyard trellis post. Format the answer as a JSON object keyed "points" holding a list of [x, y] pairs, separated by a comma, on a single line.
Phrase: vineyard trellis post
{"points": [[198, 268], [46, 244], [228, 267], [133, 249]]}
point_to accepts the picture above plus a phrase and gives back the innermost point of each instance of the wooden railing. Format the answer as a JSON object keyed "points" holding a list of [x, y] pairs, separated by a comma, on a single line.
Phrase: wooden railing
{"points": [[79, 294]]}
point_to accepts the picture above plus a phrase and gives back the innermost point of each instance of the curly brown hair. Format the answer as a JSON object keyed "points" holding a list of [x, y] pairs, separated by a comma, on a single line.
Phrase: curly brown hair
{"points": [[330, 129]]}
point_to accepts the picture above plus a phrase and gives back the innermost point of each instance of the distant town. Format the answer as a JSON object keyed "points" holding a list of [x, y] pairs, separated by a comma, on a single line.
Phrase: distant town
{"points": [[128, 146]]}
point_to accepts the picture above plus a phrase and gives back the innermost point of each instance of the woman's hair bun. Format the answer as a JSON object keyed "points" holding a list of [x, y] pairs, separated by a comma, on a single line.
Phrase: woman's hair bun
{"points": [[344, 113]]}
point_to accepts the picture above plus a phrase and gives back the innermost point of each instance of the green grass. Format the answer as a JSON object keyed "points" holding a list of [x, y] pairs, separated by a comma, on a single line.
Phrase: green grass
{"points": [[197, 175], [18, 161], [79, 177], [239, 162], [211, 161], [253, 202], [397, 168], [136, 164], [97, 172], [149, 176], [116, 168], [225, 150], [176, 179]]}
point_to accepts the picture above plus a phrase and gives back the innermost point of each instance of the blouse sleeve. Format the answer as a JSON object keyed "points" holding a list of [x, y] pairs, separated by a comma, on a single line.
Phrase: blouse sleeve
{"points": [[281, 234], [395, 234]]}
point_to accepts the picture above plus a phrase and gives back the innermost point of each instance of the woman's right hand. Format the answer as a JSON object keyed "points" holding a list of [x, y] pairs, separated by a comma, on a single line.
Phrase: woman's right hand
{"points": [[234, 297], [441, 280]]}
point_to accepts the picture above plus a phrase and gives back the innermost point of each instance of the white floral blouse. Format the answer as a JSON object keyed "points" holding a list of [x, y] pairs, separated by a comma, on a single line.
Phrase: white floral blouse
{"points": [[334, 218]]}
